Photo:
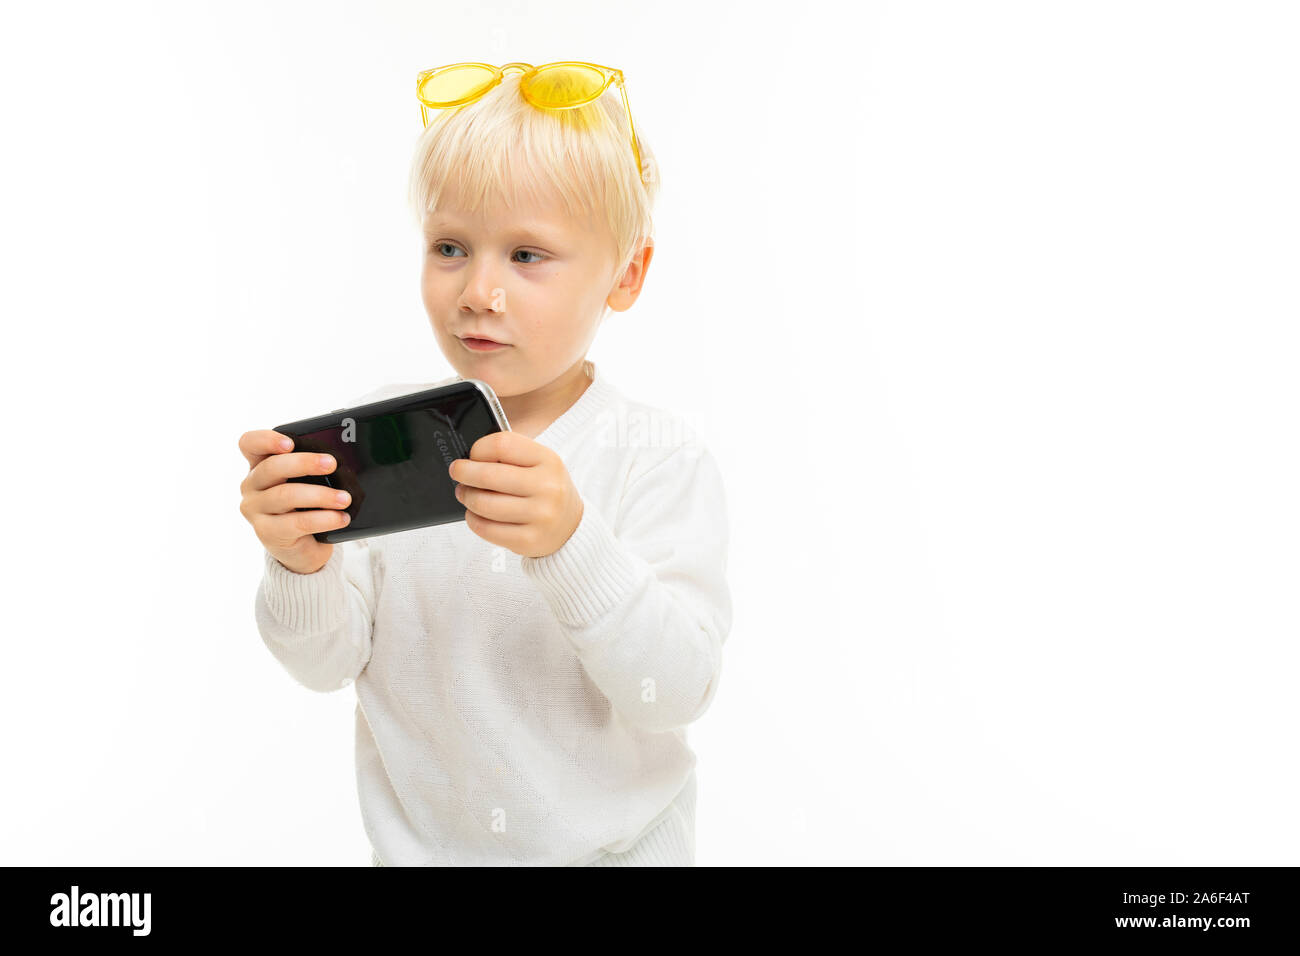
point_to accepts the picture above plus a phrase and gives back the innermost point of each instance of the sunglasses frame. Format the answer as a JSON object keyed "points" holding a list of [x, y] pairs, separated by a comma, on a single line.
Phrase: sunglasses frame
{"points": [[610, 75]]}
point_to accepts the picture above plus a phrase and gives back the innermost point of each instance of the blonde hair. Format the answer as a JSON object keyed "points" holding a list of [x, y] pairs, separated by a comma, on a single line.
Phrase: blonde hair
{"points": [[501, 147]]}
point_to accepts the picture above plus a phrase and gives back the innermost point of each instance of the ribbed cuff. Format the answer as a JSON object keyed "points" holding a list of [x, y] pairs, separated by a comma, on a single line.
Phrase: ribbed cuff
{"points": [[306, 604], [588, 575]]}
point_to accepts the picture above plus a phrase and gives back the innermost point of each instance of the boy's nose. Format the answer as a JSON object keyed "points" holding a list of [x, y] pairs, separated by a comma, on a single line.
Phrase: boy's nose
{"points": [[479, 297]]}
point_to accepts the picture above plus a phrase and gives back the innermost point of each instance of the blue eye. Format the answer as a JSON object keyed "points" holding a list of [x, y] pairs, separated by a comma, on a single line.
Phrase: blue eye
{"points": [[439, 246]]}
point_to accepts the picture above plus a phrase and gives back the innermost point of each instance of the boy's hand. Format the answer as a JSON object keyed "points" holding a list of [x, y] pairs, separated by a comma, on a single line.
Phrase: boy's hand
{"points": [[517, 494], [269, 500]]}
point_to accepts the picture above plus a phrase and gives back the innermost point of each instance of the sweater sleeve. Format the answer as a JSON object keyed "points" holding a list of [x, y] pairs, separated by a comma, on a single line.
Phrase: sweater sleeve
{"points": [[319, 625], [648, 608]]}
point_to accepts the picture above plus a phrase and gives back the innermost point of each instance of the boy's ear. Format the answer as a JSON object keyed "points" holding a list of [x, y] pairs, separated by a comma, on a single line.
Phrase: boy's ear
{"points": [[630, 283]]}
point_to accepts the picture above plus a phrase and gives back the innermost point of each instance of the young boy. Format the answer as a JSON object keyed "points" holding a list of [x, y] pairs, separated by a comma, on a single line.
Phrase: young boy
{"points": [[524, 678]]}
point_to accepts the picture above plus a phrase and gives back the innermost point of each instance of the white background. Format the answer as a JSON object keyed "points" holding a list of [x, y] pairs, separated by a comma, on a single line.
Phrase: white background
{"points": [[988, 312]]}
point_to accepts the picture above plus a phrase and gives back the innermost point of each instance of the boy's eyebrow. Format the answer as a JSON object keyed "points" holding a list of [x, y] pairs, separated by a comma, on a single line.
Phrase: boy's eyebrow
{"points": [[534, 231]]}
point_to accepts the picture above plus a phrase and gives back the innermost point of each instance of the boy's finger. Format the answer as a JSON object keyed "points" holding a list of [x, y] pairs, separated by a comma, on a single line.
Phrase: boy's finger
{"points": [[287, 529], [492, 476], [511, 448], [260, 444], [276, 469], [287, 496]]}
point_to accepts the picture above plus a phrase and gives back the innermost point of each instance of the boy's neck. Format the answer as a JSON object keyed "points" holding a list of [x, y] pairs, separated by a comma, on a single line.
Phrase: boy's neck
{"points": [[532, 413]]}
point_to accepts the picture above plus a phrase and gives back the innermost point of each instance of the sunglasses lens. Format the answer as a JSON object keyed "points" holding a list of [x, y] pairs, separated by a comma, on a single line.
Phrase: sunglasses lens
{"points": [[557, 87], [455, 83]]}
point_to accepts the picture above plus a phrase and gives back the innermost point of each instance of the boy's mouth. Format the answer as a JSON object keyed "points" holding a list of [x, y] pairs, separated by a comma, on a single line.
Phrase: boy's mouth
{"points": [[482, 345]]}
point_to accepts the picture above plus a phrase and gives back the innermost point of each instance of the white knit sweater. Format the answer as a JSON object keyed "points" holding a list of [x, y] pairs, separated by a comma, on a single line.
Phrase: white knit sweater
{"points": [[530, 711]]}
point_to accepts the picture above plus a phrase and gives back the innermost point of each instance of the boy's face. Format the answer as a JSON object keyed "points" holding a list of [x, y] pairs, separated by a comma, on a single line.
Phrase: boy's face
{"points": [[529, 276]]}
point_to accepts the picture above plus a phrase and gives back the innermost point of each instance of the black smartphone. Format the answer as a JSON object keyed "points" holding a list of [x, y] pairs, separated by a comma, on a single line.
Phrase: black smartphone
{"points": [[392, 455]]}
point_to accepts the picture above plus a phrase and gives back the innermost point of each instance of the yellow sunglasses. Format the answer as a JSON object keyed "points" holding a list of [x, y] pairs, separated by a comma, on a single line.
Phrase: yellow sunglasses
{"points": [[553, 86]]}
